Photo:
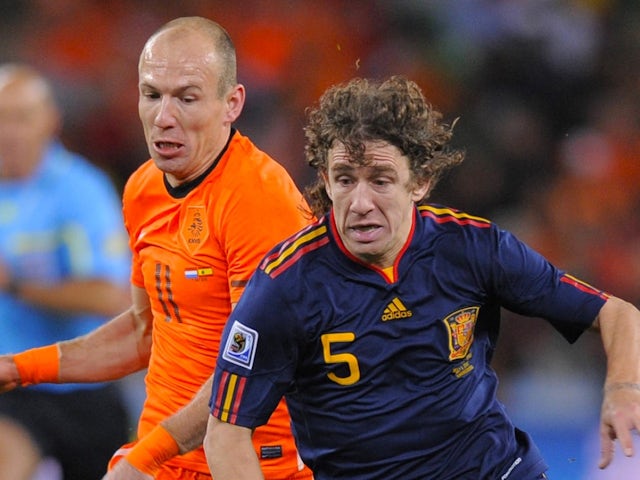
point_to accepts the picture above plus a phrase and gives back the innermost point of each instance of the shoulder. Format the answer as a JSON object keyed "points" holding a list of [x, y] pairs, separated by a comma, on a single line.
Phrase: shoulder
{"points": [[451, 218], [251, 184], [253, 167], [437, 221], [142, 178], [298, 251], [455, 236]]}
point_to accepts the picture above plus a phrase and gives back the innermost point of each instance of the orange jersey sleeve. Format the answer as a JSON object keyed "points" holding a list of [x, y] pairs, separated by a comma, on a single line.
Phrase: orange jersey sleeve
{"points": [[194, 249]]}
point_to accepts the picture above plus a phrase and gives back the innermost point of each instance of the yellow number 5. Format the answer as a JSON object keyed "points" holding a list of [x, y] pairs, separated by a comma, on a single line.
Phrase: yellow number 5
{"points": [[348, 358]]}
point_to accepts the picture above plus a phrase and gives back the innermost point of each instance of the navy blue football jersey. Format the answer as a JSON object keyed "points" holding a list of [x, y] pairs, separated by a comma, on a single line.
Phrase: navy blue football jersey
{"points": [[388, 376]]}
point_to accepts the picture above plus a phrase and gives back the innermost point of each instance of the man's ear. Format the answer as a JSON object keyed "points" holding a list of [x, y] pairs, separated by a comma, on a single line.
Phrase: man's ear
{"points": [[235, 102], [327, 187], [420, 191]]}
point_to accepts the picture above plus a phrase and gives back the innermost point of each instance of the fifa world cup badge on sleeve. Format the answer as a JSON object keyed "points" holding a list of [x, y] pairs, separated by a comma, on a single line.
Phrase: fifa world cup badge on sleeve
{"points": [[240, 348]]}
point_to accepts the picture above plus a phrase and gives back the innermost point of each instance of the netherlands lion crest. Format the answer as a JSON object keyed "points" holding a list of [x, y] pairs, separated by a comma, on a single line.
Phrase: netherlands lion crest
{"points": [[194, 229]]}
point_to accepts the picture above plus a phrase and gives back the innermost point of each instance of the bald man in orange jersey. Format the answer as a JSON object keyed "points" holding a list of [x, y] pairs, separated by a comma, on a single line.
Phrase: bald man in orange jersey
{"points": [[200, 215], [195, 248]]}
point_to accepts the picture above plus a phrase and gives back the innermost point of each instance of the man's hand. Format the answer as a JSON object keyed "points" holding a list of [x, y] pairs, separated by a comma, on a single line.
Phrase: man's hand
{"points": [[123, 470], [9, 375], [620, 416]]}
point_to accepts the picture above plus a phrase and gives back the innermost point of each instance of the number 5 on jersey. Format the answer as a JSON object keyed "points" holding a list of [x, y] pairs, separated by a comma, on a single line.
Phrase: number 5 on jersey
{"points": [[352, 362]]}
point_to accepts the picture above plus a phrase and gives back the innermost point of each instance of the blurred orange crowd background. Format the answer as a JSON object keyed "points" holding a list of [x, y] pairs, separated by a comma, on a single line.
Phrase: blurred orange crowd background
{"points": [[547, 93]]}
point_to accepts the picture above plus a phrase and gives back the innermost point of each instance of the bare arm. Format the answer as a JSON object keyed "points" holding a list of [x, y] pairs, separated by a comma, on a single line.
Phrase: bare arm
{"points": [[117, 348], [189, 424], [230, 453], [187, 428], [619, 325]]}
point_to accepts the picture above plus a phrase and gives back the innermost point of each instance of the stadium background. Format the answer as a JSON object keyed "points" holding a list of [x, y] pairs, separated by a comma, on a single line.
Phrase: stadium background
{"points": [[547, 96]]}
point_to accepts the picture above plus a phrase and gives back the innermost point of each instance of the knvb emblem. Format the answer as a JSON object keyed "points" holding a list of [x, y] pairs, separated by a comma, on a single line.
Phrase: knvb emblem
{"points": [[194, 229], [460, 326]]}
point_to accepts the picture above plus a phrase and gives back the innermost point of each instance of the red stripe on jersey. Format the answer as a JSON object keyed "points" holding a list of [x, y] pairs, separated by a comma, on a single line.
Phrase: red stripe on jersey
{"points": [[268, 259], [220, 394], [304, 241], [287, 243], [460, 220], [238, 398], [300, 252], [585, 287]]}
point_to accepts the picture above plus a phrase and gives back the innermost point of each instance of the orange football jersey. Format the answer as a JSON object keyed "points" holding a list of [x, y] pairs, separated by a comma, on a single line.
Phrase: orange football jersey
{"points": [[194, 248]]}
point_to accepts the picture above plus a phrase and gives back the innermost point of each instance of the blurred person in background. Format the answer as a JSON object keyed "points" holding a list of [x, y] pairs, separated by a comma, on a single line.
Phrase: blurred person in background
{"points": [[200, 215], [63, 272]]}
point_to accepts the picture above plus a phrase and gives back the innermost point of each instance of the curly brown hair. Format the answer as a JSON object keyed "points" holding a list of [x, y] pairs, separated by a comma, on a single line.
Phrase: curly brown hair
{"points": [[364, 110]]}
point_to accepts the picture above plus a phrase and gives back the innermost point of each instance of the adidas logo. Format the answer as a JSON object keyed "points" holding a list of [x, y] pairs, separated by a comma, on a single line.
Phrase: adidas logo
{"points": [[395, 310]]}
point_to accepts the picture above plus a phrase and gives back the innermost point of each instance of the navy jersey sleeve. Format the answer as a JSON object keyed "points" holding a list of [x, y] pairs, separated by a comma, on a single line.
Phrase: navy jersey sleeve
{"points": [[527, 283], [257, 356]]}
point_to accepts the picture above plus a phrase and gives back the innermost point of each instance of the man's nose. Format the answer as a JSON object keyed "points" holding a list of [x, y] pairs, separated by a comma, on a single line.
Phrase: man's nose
{"points": [[166, 113], [362, 199]]}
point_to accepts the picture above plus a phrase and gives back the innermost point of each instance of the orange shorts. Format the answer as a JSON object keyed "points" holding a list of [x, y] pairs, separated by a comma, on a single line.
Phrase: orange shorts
{"points": [[165, 473], [168, 472], [176, 473], [304, 474]]}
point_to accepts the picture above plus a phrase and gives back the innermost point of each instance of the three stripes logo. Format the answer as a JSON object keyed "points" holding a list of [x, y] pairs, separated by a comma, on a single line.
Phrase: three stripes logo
{"points": [[395, 310]]}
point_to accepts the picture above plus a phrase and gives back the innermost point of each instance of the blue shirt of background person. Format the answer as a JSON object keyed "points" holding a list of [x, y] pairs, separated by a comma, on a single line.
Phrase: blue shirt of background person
{"points": [[60, 222]]}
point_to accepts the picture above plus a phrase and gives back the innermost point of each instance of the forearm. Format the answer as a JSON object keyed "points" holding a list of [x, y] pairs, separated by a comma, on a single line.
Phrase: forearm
{"points": [[178, 434], [229, 451], [189, 425], [95, 296], [117, 348], [619, 325]]}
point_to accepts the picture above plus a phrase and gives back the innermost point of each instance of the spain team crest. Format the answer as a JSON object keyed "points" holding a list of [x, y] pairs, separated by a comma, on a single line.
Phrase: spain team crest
{"points": [[194, 229], [460, 326]]}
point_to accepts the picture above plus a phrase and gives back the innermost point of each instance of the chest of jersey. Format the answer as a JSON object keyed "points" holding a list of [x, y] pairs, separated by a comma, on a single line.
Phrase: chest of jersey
{"points": [[383, 340], [183, 265]]}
